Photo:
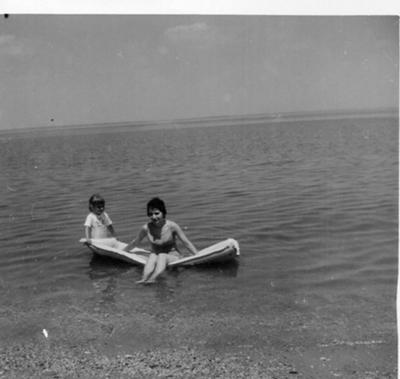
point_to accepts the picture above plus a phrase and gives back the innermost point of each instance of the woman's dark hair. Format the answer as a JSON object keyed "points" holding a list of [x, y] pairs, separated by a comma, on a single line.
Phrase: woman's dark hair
{"points": [[96, 199], [156, 203]]}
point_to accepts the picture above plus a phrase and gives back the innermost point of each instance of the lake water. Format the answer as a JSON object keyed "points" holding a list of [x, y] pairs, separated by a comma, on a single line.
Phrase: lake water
{"points": [[313, 204]]}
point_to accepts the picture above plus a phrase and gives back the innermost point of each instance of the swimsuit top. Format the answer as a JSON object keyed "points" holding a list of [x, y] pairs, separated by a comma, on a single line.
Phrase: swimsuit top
{"points": [[163, 243]]}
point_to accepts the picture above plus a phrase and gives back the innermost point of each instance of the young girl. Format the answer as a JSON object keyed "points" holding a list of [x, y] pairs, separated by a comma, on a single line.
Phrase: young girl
{"points": [[162, 234], [97, 223]]}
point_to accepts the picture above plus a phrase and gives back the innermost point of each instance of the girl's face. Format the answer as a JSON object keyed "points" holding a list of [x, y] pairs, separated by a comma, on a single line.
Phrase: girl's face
{"points": [[98, 208], [156, 216]]}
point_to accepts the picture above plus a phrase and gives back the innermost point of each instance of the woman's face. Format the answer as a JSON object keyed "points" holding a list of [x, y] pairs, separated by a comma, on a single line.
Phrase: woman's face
{"points": [[156, 216]]}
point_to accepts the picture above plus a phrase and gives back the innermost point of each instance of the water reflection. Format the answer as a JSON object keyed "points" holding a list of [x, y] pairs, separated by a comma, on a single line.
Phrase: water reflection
{"points": [[225, 269], [106, 287], [101, 267], [105, 273]]}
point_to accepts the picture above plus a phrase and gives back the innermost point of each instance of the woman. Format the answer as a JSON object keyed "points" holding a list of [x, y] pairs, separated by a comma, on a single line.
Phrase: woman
{"points": [[162, 234]]}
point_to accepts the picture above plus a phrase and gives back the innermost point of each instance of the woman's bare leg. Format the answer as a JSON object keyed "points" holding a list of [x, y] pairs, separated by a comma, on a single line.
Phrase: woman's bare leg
{"points": [[148, 268], [161, 265]]}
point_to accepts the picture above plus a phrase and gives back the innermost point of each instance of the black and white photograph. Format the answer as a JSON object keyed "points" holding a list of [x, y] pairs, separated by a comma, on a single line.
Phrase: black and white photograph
{"points": [[198, 193]]}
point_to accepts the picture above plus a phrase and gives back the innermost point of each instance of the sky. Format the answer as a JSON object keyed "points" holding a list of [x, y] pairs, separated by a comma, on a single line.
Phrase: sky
{"points": [[81, 69]]}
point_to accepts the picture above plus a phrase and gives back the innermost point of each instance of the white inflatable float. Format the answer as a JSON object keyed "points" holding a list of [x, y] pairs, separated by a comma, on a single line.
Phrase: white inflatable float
{"points": [[223, 251]]}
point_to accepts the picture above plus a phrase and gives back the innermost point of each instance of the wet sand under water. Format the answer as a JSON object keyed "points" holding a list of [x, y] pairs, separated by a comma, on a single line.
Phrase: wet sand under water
{"points": [[87, 342]]}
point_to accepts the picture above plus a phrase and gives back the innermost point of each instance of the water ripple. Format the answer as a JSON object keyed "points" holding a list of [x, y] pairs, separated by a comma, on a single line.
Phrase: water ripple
{"points": [[313, 205]]}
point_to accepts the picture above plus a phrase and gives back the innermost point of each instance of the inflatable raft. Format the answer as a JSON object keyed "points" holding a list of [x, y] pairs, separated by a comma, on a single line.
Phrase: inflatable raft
{"points": [[223, 251]]}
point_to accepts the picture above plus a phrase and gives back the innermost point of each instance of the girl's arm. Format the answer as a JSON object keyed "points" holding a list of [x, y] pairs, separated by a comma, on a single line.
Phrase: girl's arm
{"points": [[111, 230], [108, 223], [184, 239], [88, 234], [142, 233]]}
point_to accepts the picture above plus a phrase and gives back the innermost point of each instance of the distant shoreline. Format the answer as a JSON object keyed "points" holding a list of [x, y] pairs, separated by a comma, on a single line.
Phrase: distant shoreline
{"points": [[277, 117]]}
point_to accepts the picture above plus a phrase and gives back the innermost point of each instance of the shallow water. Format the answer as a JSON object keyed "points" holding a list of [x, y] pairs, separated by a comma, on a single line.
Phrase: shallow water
{"points": [[313, 205]]}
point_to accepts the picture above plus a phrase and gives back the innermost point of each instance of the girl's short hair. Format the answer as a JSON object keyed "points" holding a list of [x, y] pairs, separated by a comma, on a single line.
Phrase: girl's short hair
{"points": [[96, 199], [157, 203]]}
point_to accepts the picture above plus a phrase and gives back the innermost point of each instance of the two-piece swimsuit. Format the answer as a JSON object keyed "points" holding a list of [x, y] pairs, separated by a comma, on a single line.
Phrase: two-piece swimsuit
{"points": [[165, 243]]}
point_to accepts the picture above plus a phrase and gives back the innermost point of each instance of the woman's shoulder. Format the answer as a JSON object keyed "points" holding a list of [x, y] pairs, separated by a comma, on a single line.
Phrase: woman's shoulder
{"points": [[172, 224]]}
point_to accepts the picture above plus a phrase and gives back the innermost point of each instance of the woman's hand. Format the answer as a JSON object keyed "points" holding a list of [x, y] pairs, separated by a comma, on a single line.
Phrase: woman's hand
{"points": [[136, 241], [127, 248]]}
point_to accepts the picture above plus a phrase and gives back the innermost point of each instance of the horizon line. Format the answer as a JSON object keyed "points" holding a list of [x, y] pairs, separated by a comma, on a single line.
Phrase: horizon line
{"points": [[270, 116]]}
